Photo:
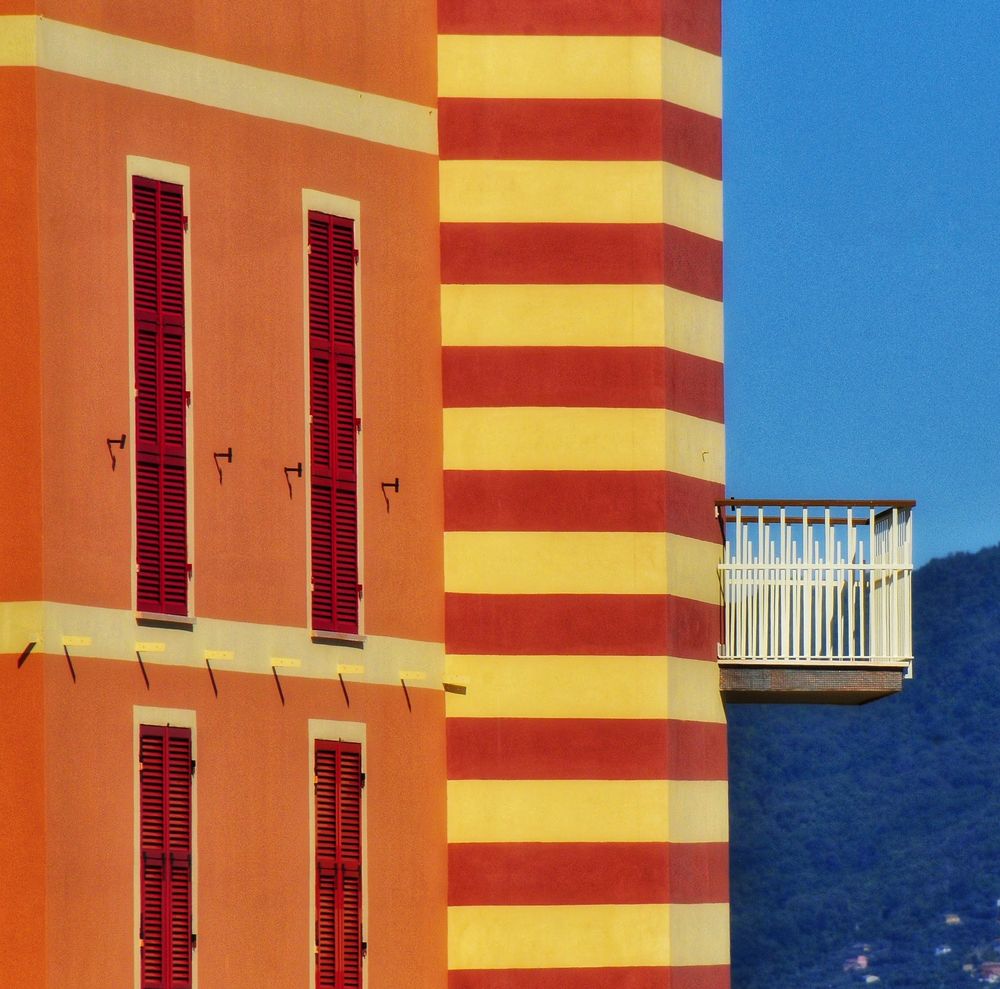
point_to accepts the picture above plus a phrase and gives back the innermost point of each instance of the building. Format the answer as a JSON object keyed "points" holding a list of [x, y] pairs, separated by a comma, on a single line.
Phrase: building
{"points": [[362, 437]]}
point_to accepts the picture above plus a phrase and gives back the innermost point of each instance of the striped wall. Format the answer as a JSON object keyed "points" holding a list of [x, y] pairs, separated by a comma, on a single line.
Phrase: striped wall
{"points": [[581, 229]]}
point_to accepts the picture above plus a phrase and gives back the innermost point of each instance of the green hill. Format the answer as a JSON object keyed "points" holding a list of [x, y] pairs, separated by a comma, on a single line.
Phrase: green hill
{"points": [[866, 826]]}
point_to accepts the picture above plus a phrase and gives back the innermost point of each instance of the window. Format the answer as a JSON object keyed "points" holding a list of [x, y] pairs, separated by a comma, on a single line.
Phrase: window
{"points": [[165, 770], [334, 426], [160, 397], [339, 945]]}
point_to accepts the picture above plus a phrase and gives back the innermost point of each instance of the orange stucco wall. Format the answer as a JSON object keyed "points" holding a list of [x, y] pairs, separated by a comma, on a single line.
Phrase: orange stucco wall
{"points": [[355, 45], [20, 438], [22, 831], [247, 378], [252, 832]]}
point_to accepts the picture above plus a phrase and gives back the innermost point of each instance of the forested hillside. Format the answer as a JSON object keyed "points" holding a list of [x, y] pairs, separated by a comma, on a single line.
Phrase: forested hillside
{"points": [[856, 831]]}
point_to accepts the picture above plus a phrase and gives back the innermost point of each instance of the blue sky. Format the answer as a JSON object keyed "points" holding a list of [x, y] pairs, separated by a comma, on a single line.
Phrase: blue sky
{"points": [[862, 271]]}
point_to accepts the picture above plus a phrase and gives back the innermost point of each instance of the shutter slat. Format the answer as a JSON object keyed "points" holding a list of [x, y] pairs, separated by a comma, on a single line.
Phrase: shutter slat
{"points": [[174, 538], [351, 936], [326, 927], [319, 409], [345, 549], [322, 556], [149, 548]]}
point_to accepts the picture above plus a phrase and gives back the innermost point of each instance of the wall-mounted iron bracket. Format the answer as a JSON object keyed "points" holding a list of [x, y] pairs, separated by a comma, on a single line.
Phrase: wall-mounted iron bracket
{"points": [[297, 471], [226, 455], [388, 486], [118, 442]]}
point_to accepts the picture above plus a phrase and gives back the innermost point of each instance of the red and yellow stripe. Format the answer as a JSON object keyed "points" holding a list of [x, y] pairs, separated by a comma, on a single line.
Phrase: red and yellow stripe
{"points": [[581, 260]]}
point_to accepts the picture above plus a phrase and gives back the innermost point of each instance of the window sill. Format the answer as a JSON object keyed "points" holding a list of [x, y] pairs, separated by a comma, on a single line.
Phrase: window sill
{"points": [[347, 639], [152, 620]]}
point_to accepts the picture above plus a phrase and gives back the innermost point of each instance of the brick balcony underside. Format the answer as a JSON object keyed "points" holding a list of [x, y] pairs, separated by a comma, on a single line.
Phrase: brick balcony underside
{"points": [[813, 684]]}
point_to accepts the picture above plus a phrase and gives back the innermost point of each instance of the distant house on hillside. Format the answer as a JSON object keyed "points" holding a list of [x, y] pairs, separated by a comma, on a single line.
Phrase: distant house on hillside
{"points": [[990, 971]]}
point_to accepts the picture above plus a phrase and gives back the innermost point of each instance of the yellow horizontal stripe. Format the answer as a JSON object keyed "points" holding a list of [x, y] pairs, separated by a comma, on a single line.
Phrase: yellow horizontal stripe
{"points": [[581, 563], [588, 810], [214, 82], [554, 563], [558, 67], [579, 936], [699, 934], [588, 936], [558, 810], [583, 439], [580, 192], [693, 569], [693, 691], [699, 811], [17, 39], [585, 687], [581, 316]]}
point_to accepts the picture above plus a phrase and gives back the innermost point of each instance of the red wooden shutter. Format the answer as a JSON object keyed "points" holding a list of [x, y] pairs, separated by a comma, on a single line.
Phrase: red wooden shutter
{"points": [[338, 865], [161, 397], [332, 386], [165, 850]]}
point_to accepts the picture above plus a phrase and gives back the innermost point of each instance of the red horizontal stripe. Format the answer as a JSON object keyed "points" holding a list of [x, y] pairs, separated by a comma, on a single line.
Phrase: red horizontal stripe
{"points": [[581, 624], [584, 749], [692, 22], [581, 501], [580, 130], [687, 977], [699, 977], [554, 873], [699, 872], [588, 377], [581, 254], [556, 748], [696, 751], [697, 23], [544, 873]]}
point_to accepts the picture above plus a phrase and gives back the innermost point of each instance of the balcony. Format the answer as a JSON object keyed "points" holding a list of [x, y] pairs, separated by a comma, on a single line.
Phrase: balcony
{"points": [[817, 600]]}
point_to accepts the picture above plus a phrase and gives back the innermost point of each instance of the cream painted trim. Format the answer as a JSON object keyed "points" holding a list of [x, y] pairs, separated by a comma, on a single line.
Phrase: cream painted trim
{"points": [[161, 171], [580, 192], [558, 936], [17, 40], [583, 439], [561, 67], [335, 731], [581, 316], [177, 718], [214, 82], [653, 687], [333, 205], [114, 635]]}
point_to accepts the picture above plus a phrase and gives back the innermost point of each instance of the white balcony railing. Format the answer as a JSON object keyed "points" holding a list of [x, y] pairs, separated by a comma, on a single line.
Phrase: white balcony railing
{"points": [[817, 581]]}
